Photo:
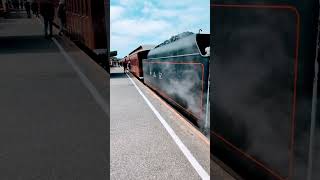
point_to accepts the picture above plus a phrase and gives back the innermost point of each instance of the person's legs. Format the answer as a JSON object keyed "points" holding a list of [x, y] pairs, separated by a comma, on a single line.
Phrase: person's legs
{"points": [[64, 27], [61, 26], [28, 12], [50, 26], [37, 12], [46, 27]]}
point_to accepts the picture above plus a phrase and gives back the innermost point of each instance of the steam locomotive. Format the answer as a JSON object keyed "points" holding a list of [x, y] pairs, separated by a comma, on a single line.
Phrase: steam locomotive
{"points": [[178, 70], [264, 118]]}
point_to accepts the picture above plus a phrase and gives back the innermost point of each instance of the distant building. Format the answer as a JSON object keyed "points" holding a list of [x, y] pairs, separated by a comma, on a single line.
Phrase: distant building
{"points": [[113, 60]]}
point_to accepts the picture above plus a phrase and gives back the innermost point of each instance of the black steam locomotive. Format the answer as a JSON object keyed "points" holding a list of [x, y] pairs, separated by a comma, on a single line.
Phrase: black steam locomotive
{"points": [[178, 70]]}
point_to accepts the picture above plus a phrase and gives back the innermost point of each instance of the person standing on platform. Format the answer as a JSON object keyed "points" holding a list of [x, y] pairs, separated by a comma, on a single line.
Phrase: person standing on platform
{"points": [[35, 8], [27, 6], [47, 12], [62, 16], [16, 5], [129, 66], [21, 4], [124, 66]]}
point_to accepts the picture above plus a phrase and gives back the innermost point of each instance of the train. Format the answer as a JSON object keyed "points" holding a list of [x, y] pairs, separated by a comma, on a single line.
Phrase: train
{"points": [[135, 58], [264, 115], [86, 23], [177, 70]]}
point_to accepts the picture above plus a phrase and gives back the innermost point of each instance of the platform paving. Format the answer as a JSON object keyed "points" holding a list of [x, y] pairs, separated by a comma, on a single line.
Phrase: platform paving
{"points": [[141, 148], [51, 127]]}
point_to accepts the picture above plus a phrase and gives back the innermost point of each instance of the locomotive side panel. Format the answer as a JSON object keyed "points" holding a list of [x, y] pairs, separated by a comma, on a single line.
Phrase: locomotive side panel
{"points": [[263, 70], [260, 85], [179, 81], [179, 73]]}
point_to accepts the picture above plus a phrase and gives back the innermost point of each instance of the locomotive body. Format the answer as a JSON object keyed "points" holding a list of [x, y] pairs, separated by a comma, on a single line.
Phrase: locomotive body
{"points": [[178, 71]]}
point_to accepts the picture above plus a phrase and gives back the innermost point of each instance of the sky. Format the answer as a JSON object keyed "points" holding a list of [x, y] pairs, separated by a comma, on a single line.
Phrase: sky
{"points": [[138, 22]]}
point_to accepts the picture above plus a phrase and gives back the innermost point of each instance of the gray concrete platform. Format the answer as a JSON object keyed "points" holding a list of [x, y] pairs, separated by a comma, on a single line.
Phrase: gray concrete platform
{"points": [[51, 127], [141, 148]]}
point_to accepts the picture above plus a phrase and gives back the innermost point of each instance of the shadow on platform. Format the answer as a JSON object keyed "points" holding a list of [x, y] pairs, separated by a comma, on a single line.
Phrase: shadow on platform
{"points": [[117, 75], [26, 44], [16, 14]]}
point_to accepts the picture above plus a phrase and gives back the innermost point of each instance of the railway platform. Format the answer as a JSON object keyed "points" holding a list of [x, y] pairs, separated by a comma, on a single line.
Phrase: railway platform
{"points": [[54, 110], [151, 140]]}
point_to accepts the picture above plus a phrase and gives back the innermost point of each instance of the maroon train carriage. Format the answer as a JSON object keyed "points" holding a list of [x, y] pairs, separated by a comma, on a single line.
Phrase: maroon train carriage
{"points": [[135, 58], [86, 22]]}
